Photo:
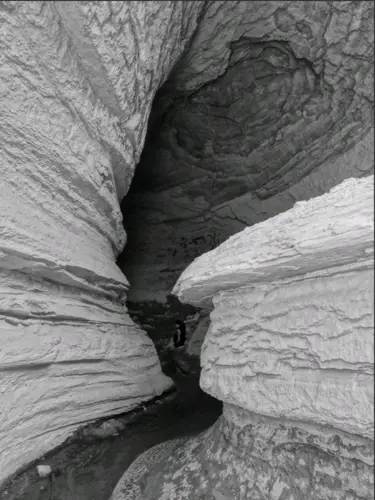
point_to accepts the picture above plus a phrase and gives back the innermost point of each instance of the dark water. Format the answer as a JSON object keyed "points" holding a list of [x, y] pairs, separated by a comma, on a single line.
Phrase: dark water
{"points": [[87, 467]]}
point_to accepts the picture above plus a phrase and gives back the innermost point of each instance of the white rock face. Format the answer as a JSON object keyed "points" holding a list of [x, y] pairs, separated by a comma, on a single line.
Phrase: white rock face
{"points": [[291, 333], [77, 81]]}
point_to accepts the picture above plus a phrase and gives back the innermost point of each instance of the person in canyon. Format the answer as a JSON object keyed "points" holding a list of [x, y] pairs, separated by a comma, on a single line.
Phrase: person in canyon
{"points": [[179, 338], [177, 364]]}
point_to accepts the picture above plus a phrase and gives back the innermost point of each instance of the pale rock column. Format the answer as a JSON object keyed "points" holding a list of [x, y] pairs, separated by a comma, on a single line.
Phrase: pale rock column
{"points": [[290, 353], [77, 80]]}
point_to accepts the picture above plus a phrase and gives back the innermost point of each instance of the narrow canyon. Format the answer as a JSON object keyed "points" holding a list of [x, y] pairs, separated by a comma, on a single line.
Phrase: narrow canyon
{"points": [[209, 162]]}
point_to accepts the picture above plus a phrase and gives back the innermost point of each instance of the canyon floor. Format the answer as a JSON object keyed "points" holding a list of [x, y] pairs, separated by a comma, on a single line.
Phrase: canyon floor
{"points": [[89, 465]]}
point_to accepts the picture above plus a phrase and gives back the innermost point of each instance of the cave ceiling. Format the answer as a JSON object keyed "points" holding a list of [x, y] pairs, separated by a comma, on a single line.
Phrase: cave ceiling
{"points": [[272, 102]]}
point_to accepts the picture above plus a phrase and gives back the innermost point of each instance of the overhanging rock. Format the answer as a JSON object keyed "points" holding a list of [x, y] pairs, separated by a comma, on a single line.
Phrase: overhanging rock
{"points": [[290, 353], [291, 332]]}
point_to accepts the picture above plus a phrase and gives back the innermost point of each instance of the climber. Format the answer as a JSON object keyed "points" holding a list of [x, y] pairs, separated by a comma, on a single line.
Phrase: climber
{"points": [[179, 338]]}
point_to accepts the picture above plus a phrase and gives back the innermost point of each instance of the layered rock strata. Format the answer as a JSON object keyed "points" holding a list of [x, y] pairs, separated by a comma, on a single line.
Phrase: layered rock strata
{"points": [[291, 332], [272, 103], [290, 353], [77, 80], [247, 457]]}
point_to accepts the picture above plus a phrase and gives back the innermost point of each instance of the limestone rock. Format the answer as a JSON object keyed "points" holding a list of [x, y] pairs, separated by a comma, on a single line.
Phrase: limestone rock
{"points": [[291, 333], [247, 457], [290, 353], [265, 103], [77, 80], [272, 103]]}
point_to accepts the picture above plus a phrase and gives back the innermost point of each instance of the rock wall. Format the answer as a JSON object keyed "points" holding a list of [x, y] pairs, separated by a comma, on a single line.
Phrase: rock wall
{"points": [[291, 332], [272, 103], [77, 80], [198, 333], [247, 457], [290, 353]]}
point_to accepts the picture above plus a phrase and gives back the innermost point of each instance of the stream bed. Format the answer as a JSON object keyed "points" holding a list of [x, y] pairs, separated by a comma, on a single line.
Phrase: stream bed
{"points": [[90, 463]]}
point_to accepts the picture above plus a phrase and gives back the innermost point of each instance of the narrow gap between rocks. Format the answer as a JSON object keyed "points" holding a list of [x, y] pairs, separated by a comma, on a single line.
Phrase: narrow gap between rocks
{"points": [[90, 463]]}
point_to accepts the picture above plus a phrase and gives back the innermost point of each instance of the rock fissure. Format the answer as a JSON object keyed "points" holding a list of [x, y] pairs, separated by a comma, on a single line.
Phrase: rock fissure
{"points": [[229, 145]]}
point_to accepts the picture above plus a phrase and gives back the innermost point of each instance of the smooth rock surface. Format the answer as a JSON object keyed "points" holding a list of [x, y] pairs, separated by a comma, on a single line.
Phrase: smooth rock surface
{"points": [[77, 80]]}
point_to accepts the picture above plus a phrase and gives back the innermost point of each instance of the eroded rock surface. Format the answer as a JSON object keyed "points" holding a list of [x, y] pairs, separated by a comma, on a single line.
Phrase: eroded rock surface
{"points": [[77, 80], [272, 103], [290, 353], [267, 103], [291, 332], [244, 456]]}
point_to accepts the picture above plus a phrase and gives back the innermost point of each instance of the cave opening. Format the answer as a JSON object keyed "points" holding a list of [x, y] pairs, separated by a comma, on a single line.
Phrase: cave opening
{"points": [[227, 153], [156, 310]]}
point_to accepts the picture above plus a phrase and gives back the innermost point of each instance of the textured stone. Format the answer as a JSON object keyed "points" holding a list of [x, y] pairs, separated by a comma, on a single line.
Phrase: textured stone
{"points": [[332, 230], [130, 485], [268, 103], [290, 353], [77, 80], [291, 332], [247, 457], [272, 103]]}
